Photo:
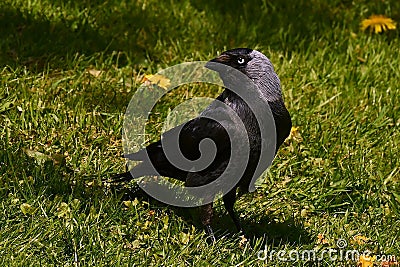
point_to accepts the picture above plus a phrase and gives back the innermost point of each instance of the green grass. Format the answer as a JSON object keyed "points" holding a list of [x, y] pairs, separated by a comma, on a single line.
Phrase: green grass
{"points": [[61, 130]]}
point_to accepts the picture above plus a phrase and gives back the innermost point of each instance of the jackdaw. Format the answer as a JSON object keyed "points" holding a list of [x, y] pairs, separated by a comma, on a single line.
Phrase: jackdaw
{"points": [[258, 68]]}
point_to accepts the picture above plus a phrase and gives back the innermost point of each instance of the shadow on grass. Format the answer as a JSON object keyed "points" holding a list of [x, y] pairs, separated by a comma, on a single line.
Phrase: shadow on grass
{"points": [[284, 232], [35, 39], [287, 232], [61, 33], [40, 175], [28, 177], [50, 180]]}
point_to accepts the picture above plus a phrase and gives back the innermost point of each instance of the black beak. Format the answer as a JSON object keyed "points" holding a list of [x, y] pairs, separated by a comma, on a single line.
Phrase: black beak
{"points": [[215, 64]]}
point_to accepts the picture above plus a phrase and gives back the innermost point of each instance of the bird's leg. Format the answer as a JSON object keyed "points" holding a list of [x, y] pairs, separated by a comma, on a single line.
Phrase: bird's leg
{"points": [[210, 234], [121, 177], [229, 202], [206, 213]]}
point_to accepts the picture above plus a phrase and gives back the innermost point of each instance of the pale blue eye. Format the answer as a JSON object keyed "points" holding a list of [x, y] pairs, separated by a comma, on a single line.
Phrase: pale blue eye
{"points": [[240, 60]]}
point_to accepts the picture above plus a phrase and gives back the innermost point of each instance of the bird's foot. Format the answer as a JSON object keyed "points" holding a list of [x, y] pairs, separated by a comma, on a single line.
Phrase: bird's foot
{"points": [[119, 177], [210, 235]]}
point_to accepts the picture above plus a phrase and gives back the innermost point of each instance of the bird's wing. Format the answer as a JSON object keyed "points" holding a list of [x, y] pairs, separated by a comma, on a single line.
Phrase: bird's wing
{"points": [[188, 136]]}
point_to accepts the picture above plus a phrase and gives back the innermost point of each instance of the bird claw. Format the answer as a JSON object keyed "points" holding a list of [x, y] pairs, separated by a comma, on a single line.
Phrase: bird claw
{"points": [[210, 234]]}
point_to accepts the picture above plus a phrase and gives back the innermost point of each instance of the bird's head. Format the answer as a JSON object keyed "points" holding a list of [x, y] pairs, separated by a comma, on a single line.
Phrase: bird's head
{"points": [[253, 64]]}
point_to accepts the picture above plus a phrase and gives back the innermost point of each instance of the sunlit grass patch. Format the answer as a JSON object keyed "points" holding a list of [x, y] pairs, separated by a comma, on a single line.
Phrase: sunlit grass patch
{"points": [[69, 69]]}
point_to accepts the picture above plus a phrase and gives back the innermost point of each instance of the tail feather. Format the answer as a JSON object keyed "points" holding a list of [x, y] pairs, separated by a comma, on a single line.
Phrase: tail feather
{"points": [[121, 177], [140, 170], [143, 169], [145, 153], [137, 156], [153, 163]]}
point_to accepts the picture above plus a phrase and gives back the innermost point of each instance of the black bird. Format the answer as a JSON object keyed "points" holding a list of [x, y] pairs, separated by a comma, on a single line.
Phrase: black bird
{"points": [[259, 69]]}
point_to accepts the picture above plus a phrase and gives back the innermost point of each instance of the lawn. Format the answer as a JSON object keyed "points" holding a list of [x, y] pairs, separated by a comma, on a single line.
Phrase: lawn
{"points": [[69, 70]]}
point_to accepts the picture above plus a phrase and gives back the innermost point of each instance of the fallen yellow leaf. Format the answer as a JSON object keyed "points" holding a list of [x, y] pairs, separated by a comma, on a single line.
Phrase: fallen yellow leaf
{"points": [[360, 239], [295, 134], [27, 209], [95, 73], [158, 80]]}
